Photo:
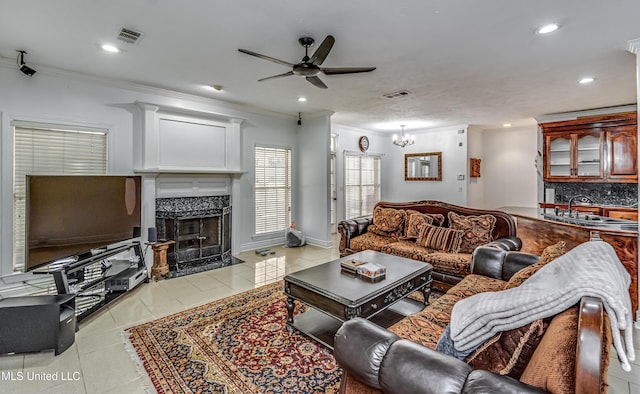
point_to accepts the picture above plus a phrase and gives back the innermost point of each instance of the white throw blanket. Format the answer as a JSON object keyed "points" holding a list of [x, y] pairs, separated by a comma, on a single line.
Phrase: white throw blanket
{"points": [[590, 269]]}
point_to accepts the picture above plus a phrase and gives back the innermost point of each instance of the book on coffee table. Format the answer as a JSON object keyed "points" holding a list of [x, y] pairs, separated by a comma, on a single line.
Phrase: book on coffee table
{"points": [[351, 266]]}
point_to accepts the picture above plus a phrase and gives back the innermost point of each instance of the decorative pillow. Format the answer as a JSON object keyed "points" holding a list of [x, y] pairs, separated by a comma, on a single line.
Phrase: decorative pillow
{"points": [[389, 219], [549, 254], [416, 219], [553, 252], [477, 229], [440, 238], [438, 218], [552, 366], [414, 224], [508, 352]]}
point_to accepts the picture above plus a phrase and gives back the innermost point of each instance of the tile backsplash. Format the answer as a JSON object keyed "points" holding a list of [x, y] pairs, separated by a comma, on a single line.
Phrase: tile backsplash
{"points": [[618, 194]]}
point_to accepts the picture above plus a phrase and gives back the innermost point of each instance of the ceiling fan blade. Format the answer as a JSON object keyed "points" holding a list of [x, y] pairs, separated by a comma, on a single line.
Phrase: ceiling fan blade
{"points": [[269, 58], [323, 50], [315, 81], [276, 76], [346, 70]]}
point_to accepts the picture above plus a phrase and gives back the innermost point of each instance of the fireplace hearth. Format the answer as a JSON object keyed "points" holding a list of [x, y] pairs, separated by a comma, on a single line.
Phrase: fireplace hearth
{"points": [[201, 229]]}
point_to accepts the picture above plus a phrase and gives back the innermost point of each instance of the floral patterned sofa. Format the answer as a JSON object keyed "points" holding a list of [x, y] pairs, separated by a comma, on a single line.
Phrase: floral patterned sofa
{"points": [[441, 234]]}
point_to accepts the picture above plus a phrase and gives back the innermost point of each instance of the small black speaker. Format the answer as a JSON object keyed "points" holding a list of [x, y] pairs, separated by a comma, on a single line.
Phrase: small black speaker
{"points": [[153, 235], [136, 232]]}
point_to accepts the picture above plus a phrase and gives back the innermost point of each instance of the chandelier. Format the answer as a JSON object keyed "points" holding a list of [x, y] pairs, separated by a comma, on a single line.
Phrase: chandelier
{"points": [[405, 140]]}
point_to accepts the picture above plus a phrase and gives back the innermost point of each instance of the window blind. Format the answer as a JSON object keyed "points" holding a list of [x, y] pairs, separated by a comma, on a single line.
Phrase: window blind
{"points": [[50, 151], [361, 184], [272, 189]]}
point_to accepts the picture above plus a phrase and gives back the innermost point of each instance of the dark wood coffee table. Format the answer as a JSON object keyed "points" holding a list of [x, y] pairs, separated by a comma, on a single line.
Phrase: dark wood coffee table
{"points": [[336, 296]]}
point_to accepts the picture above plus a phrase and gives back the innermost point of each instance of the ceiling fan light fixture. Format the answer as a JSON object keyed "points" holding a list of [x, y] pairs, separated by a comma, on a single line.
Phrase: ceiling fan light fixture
{"points": [[548, 28]]}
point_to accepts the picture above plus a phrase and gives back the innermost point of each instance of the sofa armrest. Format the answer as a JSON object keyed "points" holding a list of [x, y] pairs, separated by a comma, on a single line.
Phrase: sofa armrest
{"points": [[351, 228], [506, 243], [498, 263], [382, 360]]}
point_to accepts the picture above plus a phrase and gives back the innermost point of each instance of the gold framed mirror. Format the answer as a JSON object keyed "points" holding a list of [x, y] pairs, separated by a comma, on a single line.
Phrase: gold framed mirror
{"points": [[423, 166]]}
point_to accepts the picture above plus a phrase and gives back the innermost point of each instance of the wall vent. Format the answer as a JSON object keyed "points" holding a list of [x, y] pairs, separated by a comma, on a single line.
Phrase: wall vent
{"points": [[129, 36], [397, 94]]}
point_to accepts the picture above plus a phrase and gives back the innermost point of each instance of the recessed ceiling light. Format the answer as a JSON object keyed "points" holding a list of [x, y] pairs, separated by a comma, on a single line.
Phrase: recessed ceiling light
{"points": [[550, 28], [506, 125], [110, 48], [302, 99], [586, 80]]}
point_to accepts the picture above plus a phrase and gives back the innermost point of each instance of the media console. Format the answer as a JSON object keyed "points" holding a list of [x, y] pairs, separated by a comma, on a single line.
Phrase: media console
{"points": [[99, 276]]}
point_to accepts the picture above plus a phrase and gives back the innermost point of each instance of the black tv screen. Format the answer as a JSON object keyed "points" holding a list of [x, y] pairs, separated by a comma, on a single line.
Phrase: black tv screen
{"points": [[69, 215]]}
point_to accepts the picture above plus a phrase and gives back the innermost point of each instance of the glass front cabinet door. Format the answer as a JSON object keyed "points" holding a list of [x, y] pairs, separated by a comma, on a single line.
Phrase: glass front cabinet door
{"points": [[574, 156]]}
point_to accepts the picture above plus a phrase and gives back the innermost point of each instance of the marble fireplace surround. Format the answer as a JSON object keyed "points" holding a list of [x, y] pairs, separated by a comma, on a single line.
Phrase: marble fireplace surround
{"points": [[201, 227]]}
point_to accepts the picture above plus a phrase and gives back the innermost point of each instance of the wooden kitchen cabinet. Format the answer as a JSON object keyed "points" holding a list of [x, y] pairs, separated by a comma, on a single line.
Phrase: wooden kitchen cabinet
{"points": [[591, 149], [623, 153], [590, 209], [621, 213], [574, 156]]}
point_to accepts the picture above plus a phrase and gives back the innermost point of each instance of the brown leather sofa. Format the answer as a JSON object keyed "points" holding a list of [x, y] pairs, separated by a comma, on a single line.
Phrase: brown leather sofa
{"points": [[571, 354], [448, 268]]}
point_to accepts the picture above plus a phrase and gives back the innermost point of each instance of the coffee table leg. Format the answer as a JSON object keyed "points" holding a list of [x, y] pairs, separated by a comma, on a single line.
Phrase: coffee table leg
{"points": [[290, 306], [426, 292]]}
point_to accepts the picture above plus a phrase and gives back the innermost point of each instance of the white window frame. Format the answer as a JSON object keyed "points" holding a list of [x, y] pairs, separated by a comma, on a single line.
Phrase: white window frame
{"points": [[78, 151], [278, 217], [362, 186]]}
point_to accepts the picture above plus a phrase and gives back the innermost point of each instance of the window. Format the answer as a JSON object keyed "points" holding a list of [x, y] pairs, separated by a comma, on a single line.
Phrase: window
{"points": [[51, 151], [361, 184], [273, 189]]}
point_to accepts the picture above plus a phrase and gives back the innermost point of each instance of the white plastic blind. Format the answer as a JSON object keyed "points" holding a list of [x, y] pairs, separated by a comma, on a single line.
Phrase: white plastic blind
{"points": [[272, 189], [361, 184], [51, 151]]}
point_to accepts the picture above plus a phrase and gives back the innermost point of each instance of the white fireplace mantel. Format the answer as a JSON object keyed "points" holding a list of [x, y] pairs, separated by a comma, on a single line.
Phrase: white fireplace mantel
{"points": [[176, 140]]}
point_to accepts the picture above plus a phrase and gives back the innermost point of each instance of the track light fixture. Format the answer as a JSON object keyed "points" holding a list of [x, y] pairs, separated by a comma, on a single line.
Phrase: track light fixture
{"points": [[299, 119], [26, 70]]}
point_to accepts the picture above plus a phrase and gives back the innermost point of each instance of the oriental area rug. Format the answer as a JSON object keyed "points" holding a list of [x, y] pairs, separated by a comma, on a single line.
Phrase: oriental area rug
{"points": [[239, 344]]}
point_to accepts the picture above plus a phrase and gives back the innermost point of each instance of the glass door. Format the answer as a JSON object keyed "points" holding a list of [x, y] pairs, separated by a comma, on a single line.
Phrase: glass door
{"points": [[588, 156], [560, 156]]}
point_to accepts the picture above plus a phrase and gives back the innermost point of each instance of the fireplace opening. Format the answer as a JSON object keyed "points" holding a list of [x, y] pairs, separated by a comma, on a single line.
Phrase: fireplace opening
{"points": [[201, 229]]}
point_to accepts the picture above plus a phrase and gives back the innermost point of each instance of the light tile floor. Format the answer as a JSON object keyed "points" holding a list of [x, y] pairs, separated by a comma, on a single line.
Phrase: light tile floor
{"points": [[98, 363]]}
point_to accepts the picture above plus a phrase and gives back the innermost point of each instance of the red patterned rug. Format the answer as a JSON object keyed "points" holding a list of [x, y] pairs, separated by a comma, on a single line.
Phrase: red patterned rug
{"points": [[239, 344]]}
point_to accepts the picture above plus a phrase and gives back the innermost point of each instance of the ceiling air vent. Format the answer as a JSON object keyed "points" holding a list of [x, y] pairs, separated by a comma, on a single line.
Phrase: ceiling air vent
{"points": [[397, 94], [129, 36]]}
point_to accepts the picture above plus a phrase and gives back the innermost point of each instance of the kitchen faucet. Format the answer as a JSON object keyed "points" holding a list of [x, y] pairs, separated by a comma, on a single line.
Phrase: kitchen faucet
{"points": [[579, 198]]}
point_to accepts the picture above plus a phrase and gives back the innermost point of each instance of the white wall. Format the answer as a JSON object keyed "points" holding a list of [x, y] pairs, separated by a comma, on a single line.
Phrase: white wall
{"points": [[475, 148], [62, 98], [508, 170], [452, 142], [347, 141], [312, 213]]}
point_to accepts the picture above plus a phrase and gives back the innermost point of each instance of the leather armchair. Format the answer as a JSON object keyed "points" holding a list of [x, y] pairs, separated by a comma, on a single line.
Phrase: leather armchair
{"points": [[382, 360], [498, 263]]}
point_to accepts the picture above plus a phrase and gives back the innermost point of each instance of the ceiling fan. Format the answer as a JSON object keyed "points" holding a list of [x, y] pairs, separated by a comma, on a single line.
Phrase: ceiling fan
{"points": [[309, 67]]}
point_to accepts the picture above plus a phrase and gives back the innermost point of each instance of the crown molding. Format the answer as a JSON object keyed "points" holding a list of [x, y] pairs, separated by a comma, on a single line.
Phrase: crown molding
{"points": [[557, 117], [148, 89], [633, 46]]}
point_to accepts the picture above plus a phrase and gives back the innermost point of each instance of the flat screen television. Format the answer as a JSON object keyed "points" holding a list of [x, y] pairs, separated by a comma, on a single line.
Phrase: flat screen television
{"points": [[69, 215]]}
